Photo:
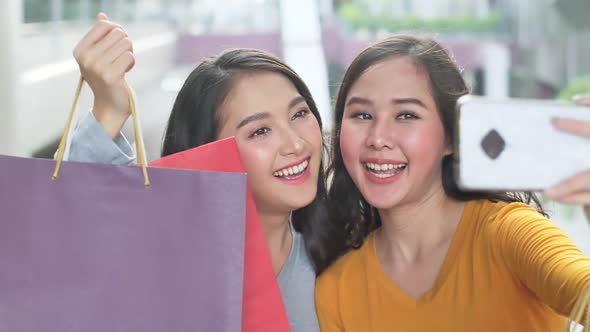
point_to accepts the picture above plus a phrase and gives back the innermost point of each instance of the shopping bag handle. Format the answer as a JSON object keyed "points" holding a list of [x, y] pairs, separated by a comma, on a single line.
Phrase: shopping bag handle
{"points": [[136, 128]]}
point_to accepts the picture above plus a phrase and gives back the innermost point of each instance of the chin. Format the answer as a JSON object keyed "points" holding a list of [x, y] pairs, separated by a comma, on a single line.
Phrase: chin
{"points": [[302, 203], [382, 202], [383, 206]]}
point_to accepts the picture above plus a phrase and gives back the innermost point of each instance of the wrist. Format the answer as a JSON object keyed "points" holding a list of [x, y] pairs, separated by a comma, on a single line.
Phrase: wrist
{"points": [[112, 120]]}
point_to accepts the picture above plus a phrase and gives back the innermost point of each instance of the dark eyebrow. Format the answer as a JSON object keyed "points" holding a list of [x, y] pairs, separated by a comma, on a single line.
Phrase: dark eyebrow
{"points": [[415, 101], [295, 101], [253, 117], [358, 100], [266, 115]]}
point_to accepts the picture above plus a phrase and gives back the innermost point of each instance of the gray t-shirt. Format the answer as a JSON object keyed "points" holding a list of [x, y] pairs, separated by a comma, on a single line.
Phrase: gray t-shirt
{"points": [[297, 283], [90, 143]]}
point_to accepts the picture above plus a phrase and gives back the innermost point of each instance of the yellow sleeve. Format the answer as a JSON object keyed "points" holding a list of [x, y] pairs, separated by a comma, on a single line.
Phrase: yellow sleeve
{"points": [[326, 303], [541, 255]]}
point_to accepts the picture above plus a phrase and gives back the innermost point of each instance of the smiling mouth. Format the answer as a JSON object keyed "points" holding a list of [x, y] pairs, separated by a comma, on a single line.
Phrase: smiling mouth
{"points": [[292, 171], [384, 171]]}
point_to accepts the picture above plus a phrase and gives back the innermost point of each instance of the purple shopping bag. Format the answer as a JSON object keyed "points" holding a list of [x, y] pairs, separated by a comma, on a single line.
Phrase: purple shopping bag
{"points": [[97, 251]]}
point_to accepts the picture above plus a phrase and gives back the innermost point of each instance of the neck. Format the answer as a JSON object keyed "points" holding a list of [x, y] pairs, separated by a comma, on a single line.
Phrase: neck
{"points": [[412, 231], [278, 237]]}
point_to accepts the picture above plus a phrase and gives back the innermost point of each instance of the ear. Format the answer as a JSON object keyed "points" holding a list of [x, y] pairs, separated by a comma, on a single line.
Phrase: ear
{"points": [[449, 150]]}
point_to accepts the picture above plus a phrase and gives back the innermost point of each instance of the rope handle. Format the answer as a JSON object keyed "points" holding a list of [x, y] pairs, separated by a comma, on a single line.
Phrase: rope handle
{"points": [[138, 138]]}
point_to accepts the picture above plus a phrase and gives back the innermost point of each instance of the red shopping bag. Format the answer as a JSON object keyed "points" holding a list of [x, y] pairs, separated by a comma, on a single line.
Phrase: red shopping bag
{"points": [[263, 308]]}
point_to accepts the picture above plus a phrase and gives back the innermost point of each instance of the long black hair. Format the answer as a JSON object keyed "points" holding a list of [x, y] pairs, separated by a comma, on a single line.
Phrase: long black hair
{"points": [[347, 206], [195, 121]]}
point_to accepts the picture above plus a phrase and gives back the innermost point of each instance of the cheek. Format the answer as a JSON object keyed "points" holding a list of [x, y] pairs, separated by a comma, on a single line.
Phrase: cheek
{"points": [[428, 144], [308, 129], [349, 142], [257, 159]]}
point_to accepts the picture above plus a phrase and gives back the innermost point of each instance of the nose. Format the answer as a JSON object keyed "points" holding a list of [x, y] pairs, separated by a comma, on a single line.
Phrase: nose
{"points": [[380, 135], [292, 142]]}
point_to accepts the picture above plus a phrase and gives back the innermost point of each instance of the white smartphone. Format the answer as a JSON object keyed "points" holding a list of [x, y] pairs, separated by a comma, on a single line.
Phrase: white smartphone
{"points": [[511, 144]]}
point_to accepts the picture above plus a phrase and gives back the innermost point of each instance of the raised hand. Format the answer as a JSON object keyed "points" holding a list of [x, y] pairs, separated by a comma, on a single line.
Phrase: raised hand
{"points": [[576, 189], [105, 55]]}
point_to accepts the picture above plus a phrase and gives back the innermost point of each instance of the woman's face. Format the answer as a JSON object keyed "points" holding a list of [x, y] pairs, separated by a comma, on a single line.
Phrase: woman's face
{"points": [[392, 139], [279, 139]]}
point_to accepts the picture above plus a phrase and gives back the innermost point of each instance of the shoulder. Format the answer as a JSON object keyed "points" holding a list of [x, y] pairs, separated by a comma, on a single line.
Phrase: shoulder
{"points": [[507, 225], [506, 216], [347, 268], [298, 261], [493, 215]]}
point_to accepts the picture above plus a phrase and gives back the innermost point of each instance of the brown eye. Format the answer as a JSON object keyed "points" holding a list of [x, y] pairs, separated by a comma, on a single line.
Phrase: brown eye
{"points": [[300, 114], [407, 116], [361, 116], [259, 132]]}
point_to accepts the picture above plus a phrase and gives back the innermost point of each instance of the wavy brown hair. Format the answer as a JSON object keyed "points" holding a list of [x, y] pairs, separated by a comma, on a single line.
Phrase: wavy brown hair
{"points": [[347, 206]]}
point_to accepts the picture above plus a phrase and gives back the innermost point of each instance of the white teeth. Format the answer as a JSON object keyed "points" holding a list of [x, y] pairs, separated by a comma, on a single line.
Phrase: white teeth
{"points": [[383, 175], [293, 170], [384, 167]]}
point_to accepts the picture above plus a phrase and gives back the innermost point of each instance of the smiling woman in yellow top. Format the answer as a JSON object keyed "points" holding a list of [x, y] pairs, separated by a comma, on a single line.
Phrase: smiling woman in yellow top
{"points": [[430, 257]]}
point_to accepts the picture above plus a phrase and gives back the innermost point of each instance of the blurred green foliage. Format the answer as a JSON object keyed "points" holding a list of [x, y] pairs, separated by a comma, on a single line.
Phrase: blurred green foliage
{"points": [[580, 85], [358, 19]]}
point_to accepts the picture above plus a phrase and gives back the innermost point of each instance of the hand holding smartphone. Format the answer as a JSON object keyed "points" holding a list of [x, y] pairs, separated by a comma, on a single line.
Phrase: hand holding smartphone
{"points": [[575, 189], [512, 145]]}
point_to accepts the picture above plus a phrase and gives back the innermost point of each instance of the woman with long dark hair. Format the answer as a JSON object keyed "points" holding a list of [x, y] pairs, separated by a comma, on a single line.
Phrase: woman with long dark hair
{"points": [[428, 256], [255, 97]]}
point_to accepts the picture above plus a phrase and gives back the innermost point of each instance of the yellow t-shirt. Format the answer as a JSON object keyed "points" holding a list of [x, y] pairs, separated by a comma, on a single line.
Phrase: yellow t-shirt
{"points": [[508, 269]]}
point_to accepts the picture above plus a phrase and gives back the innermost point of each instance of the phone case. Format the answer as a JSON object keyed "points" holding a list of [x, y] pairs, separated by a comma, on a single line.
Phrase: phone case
{"points": [[511, 144]]}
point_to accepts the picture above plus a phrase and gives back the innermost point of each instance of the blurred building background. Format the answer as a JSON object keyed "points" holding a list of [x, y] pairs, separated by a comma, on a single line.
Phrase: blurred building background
{"points": [[519, 48]]}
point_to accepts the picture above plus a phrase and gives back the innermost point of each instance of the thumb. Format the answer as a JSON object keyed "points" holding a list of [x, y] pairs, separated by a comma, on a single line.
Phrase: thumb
{"points": [[102, 17]]}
